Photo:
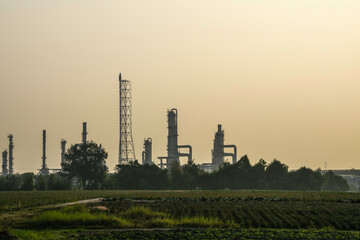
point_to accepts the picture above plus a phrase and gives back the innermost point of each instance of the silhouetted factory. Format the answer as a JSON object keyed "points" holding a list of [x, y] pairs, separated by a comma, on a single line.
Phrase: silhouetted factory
{"points": [[175, 151]]}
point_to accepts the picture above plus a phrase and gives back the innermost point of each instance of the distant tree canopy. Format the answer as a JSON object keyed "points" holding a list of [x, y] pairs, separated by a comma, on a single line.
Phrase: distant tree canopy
{"points": [[241, 175], [86, 162], [134, 176]]}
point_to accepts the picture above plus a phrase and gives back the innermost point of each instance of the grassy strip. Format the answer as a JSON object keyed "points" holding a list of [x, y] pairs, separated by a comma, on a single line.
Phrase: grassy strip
{"points": [[136, 217]]}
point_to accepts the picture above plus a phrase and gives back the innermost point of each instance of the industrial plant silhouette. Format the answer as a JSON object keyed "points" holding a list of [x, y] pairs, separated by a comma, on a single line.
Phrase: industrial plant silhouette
{"points": [[127, 155]]}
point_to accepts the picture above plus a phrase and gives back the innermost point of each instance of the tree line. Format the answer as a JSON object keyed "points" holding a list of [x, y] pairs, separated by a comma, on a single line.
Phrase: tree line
{"points": [[241, 175], [85, 168]]}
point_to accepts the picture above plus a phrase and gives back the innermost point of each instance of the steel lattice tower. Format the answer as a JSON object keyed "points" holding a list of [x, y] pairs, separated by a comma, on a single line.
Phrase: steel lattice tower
{"points": [[126, 143]]}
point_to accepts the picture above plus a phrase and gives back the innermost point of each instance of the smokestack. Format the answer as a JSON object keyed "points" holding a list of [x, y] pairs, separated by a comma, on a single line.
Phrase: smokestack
{"points": [[4, 163], [84, 133], [44, 150], [11, 158], [63, 148]]}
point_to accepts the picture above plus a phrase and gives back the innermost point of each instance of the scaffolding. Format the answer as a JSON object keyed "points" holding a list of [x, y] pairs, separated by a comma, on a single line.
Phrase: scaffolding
{"points": [[126, 143]]}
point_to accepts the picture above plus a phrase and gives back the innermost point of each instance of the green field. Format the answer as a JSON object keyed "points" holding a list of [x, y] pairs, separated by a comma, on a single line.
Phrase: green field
{"points": [[13, 201], [181, 215]]}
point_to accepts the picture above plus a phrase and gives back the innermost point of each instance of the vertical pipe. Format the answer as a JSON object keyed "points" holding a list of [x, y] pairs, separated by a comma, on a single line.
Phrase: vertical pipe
{"points": [[11, 157], [172, 137], [63, 149], [4, 163], [147, 151], [44, 150], [84, 134]]}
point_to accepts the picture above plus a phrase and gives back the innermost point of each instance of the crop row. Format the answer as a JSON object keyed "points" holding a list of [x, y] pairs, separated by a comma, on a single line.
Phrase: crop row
{"points": [[257, 214], [221, 234]]}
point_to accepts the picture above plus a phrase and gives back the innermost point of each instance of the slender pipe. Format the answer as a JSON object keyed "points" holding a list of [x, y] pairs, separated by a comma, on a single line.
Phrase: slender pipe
{"points": [[189, 155], [235, 152]]}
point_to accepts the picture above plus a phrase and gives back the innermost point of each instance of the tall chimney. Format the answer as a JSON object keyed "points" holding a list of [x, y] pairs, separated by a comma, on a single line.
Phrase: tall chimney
{"points": [[44, 150], [63, 149], [84, 133], [4, 163], [11, 157]]}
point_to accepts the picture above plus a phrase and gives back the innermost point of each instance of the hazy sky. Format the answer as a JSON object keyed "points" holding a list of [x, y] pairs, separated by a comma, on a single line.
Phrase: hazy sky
{"points": [[282, 76]]}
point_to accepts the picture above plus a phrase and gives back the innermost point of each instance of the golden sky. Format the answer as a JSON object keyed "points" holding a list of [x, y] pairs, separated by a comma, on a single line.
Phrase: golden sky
{"points": [[281, 76]]}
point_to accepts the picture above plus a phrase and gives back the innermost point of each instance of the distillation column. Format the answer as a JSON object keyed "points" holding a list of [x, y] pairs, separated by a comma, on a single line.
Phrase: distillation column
{"points": [[4, 163], [218, 153], [44, 170], [11, 156], [84, 133], [147, 153], [172, 148], [218, 150], [63, 149]]}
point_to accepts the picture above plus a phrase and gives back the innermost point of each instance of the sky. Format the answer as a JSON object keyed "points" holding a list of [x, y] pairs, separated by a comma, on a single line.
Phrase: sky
{"points": [[281, 76]]}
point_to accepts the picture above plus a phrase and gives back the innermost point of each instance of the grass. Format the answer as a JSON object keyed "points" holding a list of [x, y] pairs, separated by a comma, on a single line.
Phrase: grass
{"points": [[73, 217], [78, 216], [37, 235]]}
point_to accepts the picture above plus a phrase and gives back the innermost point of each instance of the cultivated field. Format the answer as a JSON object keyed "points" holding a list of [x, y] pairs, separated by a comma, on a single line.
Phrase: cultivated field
{"points": [[181, 215]]}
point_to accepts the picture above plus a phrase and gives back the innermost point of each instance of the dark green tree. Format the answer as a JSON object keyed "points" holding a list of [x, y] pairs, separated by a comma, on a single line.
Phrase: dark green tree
{"points": [[57, 181], [134, 176], [305, 179], [86, 162], [27, 181], [191, 175], [332, 182], [276, 175], [258, 171], [41, 183], [176, 176]]}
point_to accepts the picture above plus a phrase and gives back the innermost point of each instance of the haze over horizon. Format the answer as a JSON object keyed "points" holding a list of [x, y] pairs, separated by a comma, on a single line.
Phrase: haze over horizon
{"points": [[282, 77]]}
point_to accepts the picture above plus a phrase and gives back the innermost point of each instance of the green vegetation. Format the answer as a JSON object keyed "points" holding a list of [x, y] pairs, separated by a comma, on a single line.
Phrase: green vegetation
{"points": [[200, 215], [253, 212], [78, 216], [325, 234], [241, 175], [86, 163], [12, 201]]}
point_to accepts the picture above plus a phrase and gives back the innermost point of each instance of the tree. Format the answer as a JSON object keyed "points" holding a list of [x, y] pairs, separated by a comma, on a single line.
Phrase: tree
{"points": [[258, 170], [332, 182], [304, 179], [27, 183], [176, 176], [134, 176], [276, 174], [191, 175], [86, 162]]}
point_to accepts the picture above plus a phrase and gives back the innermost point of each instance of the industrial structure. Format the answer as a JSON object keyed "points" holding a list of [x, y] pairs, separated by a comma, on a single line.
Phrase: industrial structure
{"points": [[11, 154], [44, 170], [4, 163], [173, 146], [63, 149], [126, 143], [218, 152], [147, 153], [84, 133]]}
